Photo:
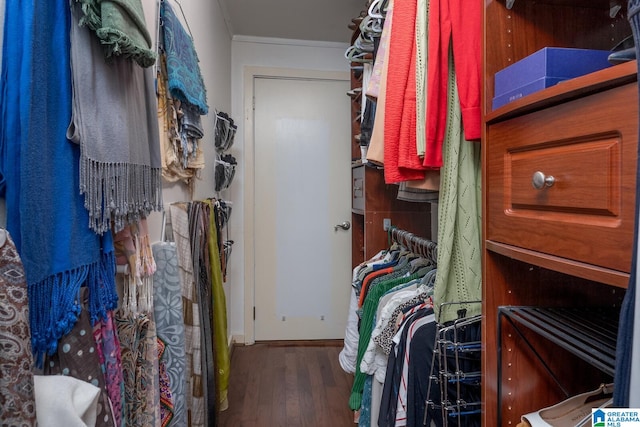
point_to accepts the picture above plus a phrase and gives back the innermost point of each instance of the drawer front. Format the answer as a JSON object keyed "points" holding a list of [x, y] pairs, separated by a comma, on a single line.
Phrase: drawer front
{"points": [[561, 181], [357, 188]]}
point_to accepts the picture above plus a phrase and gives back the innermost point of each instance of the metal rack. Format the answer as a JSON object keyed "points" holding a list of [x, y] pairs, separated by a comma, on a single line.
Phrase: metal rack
{"points": [[456, 372]]}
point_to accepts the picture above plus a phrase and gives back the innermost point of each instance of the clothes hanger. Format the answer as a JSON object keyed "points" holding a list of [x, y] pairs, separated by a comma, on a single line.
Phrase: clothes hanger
{"points": [[374, 10]]}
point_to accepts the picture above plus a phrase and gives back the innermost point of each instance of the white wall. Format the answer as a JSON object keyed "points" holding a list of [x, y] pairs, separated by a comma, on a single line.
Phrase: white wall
{"points": [[274, 53]]}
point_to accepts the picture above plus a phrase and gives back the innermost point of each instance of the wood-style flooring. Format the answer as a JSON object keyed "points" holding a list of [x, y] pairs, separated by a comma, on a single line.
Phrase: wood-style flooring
{"points": [[288, 384]]}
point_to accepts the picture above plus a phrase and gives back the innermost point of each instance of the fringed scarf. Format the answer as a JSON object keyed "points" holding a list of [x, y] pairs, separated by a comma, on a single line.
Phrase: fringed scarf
{"points": [[185, 79], [115, 123], [39, 167], [137, 327], [121, 28]]}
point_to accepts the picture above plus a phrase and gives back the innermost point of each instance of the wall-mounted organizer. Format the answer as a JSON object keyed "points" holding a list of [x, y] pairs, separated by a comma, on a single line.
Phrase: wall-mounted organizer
{"points": [[225, 168], [224, 137]]}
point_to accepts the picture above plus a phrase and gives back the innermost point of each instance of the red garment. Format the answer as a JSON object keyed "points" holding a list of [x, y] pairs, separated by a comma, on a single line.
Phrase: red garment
{"points": [[460, 22], [401, 161]]}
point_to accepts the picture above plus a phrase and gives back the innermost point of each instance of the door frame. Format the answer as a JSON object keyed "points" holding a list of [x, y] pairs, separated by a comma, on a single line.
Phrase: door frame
{"points": [[250, 74]]}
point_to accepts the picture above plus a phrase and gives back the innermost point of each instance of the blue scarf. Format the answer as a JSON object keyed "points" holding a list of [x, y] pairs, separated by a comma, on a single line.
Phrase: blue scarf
{"points": [[183, 70], [39, 170]]}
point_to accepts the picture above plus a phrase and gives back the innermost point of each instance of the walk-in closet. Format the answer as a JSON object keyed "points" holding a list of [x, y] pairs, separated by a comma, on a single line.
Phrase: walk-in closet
{"points": [[258, 213]]}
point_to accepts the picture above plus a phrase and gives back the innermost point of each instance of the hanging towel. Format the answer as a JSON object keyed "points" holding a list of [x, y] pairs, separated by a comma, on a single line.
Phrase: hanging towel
{"points": [[185, 80], [39, 167], [115, 122], [121, 28]]}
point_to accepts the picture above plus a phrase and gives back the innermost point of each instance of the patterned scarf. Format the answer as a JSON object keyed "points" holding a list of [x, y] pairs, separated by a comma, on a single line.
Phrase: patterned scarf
{"points": [[136, 327], [185, 81], [17, 406], [167, 301]]}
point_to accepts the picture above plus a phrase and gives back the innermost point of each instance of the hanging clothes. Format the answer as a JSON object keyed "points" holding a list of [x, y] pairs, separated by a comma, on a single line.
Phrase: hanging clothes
{"points": [[39, 176], [454, 23], [366, 327], [459, 218], [401, 161]]}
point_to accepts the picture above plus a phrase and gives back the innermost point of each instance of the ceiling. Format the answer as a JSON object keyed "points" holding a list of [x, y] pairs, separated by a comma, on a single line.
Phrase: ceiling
{"points": [[317, 20]]}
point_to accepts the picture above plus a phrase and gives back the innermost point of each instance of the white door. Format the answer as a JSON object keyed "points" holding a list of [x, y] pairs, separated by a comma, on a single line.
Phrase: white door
{"points": [[302, 190]]}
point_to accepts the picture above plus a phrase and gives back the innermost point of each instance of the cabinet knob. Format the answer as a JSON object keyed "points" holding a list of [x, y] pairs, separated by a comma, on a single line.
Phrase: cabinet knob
{"points": [[540, 180]]}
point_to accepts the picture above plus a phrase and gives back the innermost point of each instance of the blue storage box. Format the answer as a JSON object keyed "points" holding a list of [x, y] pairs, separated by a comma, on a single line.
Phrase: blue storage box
{"points": [[543, 69]]}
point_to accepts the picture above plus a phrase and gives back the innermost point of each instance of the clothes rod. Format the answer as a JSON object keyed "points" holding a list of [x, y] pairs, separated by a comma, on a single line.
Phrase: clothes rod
{"points": [[419, 245]]}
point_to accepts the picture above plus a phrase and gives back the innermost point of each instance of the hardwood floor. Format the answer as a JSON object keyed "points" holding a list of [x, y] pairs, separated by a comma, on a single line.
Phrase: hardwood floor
{"points": [[288, 384]]}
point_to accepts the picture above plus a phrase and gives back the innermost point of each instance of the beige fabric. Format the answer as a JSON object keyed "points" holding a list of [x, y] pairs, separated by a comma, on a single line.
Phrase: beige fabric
{"points": [[65, 401], [431, 181], [171, 147]]}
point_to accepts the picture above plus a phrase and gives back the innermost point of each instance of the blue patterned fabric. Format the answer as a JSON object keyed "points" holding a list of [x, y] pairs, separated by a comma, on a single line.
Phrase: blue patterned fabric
{"points": [[185, 79], [39, 174], [167, 300]]}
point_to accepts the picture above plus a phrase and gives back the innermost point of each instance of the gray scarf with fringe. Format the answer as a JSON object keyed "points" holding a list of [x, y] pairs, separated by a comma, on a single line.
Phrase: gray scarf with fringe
{"points": [[121, 28], [114, 121]]}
